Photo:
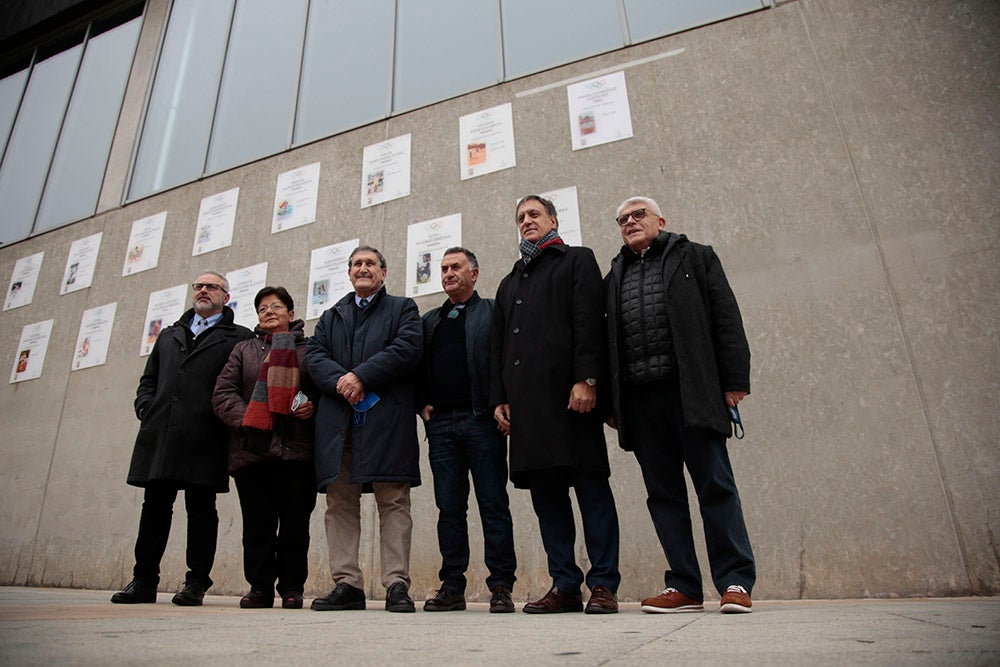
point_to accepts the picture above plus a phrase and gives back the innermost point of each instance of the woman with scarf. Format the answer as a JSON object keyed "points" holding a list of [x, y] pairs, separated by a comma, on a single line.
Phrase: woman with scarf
{"points": [[258, 396]]}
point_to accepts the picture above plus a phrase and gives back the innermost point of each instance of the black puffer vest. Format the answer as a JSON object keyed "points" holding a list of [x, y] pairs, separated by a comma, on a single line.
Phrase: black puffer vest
{"points": [[647, 345]]}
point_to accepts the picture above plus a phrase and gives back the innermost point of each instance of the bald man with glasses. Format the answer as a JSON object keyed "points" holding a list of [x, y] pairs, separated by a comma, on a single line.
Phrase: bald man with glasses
{"points": [[182, 445]]}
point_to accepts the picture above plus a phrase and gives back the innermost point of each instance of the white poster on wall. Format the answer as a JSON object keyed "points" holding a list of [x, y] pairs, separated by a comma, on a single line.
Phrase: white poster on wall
{"points": [[31, 350], [567, 213], [599, 111], [243, 287], [144, 242], [80, 264], [94, 337], [486, 141], [425, 246], [328, 280], [385, 171], [295, 198], [216, 219], [21, 290], [165, 307]]}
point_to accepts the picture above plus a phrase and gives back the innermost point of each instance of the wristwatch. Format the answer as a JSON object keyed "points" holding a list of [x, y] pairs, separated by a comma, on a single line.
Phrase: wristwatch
{"points": [[591, 382]]}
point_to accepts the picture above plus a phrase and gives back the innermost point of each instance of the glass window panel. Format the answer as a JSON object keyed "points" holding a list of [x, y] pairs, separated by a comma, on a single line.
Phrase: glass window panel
{"points": [[654, 18], [257, 99], [179, 117], [81, 158], [11, 89], [26, 163], [444, 48], [346, 67], [540, 35]]}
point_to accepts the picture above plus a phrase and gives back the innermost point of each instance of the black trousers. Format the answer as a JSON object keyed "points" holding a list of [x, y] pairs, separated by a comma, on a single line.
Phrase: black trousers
{"points": [[154, 529], [276, 498], [663, 446]]}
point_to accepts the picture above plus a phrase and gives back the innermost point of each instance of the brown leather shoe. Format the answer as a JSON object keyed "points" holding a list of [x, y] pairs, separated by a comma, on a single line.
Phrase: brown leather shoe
{"points": [[671, 601], [602, 601], [554, 602], [736, 600]]}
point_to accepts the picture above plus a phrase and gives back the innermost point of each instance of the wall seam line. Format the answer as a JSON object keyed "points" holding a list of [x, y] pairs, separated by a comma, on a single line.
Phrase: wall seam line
{"points": [[896, 310]]}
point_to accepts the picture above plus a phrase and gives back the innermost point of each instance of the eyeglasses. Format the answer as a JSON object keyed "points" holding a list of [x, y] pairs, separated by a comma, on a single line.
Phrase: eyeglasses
{"points": [[274, 307], [211, 287], [637, 215]]}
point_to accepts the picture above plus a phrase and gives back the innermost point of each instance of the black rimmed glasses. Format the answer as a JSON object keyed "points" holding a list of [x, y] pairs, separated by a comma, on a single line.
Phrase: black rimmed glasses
{"points": [[637, 215], [211, 287]]}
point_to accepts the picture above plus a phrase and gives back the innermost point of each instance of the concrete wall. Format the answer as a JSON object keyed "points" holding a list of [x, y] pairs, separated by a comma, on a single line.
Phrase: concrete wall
{"points": [[841, 156]]}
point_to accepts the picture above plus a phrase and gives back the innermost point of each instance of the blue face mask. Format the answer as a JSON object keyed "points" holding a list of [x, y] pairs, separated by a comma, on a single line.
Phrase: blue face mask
{"points": [[361, 409], [734, 416]]}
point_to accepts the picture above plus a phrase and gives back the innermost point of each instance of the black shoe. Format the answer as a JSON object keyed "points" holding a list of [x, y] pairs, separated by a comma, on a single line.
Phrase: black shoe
{"points": [[257, 599], [135, 593], [191, 595], [341, 598], [445, 600], [397, 599], [291, 600], [501, 603]]}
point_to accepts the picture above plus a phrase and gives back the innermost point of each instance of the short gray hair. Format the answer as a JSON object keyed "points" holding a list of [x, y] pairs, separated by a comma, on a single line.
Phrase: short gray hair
{"points": [[220, 276], [650, 204]]}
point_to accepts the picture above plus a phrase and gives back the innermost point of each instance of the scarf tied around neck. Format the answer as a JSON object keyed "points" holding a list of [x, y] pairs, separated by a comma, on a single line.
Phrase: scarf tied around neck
{"points": [[277, 382], [530, 250]]}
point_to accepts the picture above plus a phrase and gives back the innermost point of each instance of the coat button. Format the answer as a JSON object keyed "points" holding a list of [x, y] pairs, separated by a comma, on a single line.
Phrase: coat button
{"points": [[180, 371], [517, 362], [174, 399], [524, 275], [517, 330], [519, 302]]}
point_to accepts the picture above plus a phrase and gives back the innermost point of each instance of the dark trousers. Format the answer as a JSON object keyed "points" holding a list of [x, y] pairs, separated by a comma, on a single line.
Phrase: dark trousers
{"points": [[276, 498], [460, 444], [154, 529], [656, 433], [558, 528]]}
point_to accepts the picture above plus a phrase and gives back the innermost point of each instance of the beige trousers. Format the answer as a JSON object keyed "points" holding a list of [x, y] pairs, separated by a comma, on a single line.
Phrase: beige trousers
{"points": [[343, 528]]}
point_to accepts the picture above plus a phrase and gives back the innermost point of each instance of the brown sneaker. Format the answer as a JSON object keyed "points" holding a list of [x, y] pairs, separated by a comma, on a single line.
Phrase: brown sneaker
{"points": [[735, 600], [602, 601], [554, 602], [671, 601]]}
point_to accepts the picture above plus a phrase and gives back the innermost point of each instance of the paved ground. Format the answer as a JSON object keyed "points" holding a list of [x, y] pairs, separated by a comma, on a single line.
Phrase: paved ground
{"points": [[58, 626]]}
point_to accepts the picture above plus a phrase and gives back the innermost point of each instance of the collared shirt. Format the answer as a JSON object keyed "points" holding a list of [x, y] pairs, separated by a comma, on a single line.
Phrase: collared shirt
{"points": [[200, 324]]}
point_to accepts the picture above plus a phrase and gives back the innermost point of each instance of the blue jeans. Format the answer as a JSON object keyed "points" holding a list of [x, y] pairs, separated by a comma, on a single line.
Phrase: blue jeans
{"points": [[460, 444]]}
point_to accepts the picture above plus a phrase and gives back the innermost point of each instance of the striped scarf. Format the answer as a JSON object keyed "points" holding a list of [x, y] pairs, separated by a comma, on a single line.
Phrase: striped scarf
{"points": [[530, 250], [277, 382]]}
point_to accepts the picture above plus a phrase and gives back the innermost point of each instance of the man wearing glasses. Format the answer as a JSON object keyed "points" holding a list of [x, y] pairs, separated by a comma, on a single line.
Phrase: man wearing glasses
{"points": [[181, 444], [679, 358]]}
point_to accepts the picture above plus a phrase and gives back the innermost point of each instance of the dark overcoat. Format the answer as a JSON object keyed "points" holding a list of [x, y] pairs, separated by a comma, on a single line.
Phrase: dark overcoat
{"points": [[290, 438], [383, 348], [710, 345], [180, 440], [548, 334]]}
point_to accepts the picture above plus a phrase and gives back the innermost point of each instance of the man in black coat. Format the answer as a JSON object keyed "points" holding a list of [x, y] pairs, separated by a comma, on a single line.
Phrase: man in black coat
{"points": [[679, 357], [548, 359], [368, 344], [181, 444]]}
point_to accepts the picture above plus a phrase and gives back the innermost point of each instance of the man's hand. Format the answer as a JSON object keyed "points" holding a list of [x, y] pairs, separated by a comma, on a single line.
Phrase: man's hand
{"points": [[426, 413], [350, 387], [734, 397], [304, 411], [502, 415], [582, 397]]}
